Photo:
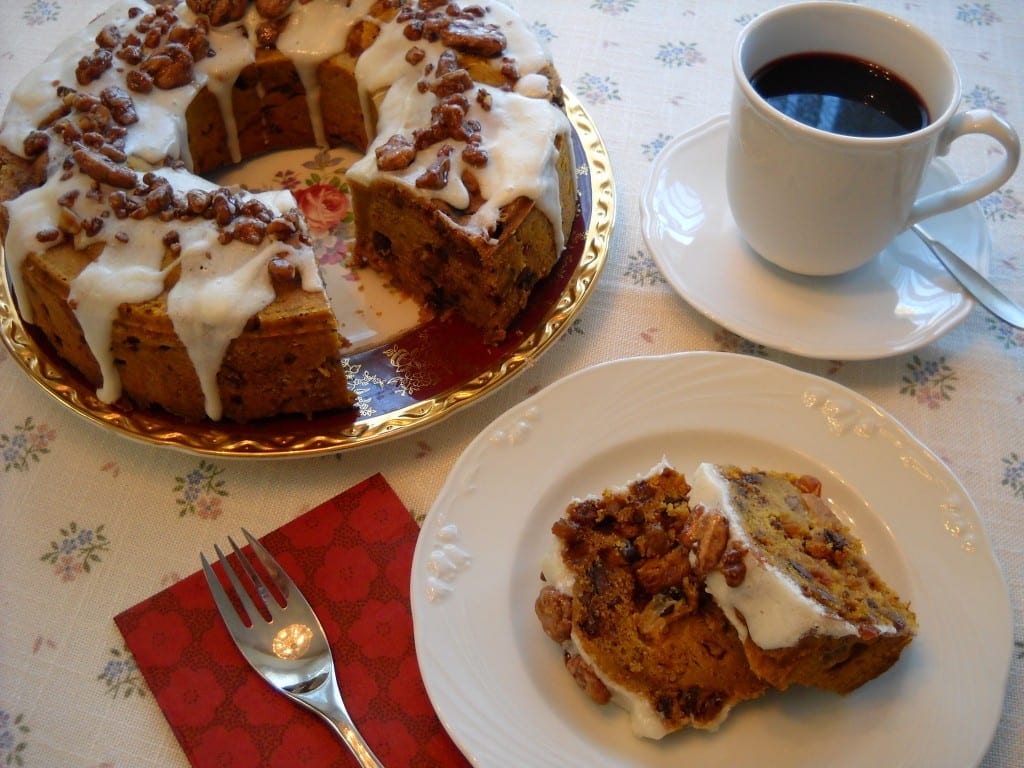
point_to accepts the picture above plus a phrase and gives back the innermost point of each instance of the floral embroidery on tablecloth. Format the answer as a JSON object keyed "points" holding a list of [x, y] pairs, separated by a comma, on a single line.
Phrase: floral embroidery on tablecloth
{"points": [[26, 443], [929, 381], [613, 7], [76, 550], [201, 491], [977, 14], [1013, 474], [597, 89], [642, 271], [121, 675], [12, 741], [679, 54], [39, 12], [542, 32], [653, 148], [1001, 205], [983, 97], [1006, 334]]}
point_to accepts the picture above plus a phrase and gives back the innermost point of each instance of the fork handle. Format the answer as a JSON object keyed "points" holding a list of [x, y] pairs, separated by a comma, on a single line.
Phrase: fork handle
{"points": [[327, 703], [341, 724]]}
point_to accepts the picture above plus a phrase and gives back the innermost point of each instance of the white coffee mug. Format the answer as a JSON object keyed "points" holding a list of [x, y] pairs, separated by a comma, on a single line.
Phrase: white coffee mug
{"points": [[822, 203]]}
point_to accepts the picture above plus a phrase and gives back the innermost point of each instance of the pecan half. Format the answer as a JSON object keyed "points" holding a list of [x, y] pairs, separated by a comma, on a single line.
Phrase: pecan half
{"points": [[170, 66], [103, 170], [395, 154], [554, 610]]}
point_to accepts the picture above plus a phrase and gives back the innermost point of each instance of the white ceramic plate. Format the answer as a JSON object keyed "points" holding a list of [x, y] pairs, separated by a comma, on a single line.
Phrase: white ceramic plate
{"points": [[497, 681], [900, 301]]}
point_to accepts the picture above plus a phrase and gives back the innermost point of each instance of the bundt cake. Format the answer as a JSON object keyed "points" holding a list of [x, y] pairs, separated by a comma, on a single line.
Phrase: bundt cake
{"points": [[165, 290]]}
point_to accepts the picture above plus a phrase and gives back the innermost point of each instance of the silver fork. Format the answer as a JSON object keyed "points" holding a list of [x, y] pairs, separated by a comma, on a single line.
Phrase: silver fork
{"points": [[289, 651]]}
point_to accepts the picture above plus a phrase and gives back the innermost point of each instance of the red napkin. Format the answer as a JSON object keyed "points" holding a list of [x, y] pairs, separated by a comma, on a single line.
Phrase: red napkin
{"points": [[351, 557]]}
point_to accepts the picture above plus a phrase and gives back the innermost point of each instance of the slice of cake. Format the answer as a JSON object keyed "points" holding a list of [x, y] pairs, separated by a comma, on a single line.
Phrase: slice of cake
{"points": [[628, 607], [793, 580]]}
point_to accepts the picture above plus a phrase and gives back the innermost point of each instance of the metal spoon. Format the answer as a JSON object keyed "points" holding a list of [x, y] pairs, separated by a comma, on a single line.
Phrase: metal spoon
{"points": [[986, 294]]}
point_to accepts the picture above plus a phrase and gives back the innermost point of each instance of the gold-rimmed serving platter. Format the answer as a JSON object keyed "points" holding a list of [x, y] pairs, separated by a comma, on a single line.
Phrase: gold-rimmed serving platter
{"points": [[412, 380]]}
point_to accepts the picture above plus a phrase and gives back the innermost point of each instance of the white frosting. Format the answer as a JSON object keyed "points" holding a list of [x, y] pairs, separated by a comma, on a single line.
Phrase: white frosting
{"points": [[775, 613], [219, 286]]}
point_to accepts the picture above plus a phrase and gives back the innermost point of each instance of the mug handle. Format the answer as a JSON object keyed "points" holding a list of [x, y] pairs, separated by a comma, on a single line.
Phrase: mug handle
{"points": [[972, 121]]}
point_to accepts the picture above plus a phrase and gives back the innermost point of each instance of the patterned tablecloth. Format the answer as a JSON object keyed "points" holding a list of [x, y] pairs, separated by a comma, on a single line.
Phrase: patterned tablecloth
{"points": [[91, 523]]}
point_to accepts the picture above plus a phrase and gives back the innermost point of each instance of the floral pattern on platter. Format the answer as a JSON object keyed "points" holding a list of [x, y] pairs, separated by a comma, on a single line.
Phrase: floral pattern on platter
{"points": [[323, 196]]}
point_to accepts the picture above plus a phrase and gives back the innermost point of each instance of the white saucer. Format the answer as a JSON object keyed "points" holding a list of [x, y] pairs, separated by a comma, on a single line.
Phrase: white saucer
{"points": [[900, 301]]}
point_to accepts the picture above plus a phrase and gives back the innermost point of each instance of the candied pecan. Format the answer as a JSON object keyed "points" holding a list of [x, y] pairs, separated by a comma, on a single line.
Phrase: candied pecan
{"points": [[108, 37], [92, 226], [447, 63], [475, 155], [708, 534], [395, 154], [473, 37], [92, 67], [223, 207], [48, 235], [436, 175], [197, 200], [36, 143], [68, 199], [733, 567], [170, 66], [554, 610], [267, 33], [281, 229], [111, 152], [120, 104], [131, 54], [415, 55], [271, 9], [159, 198], [219, 11], [484, 99], [450, 83], [249, 230], [138, 81], [509, 69], [587, 679], [100, 169], [282, 270], [192, 37]]}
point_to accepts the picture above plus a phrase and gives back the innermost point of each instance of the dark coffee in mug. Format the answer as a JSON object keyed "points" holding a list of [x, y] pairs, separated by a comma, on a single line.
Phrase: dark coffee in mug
{"points": [[841, 94]]}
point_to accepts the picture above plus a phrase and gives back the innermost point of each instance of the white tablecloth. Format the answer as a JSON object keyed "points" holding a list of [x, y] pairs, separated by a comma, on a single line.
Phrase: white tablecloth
{"points": [[91, 523]]}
